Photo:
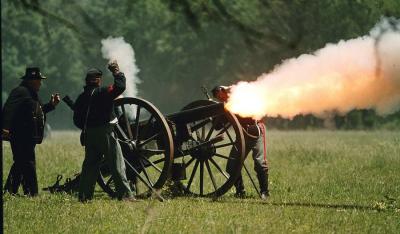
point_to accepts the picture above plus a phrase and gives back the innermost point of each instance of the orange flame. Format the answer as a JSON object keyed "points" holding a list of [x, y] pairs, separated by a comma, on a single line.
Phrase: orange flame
{"points": [[339, 77], [246, 101]]}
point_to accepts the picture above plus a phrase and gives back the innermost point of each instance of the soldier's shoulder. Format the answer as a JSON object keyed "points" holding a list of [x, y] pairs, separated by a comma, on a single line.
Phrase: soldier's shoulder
{"points": [[99, 91], [20, 88], [17, 96], [103, 89], [80, 97], [20, 91]]}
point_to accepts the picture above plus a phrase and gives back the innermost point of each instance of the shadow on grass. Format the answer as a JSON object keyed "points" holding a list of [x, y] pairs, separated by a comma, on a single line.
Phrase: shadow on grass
{"points": [[322, 205], [305, 204]]}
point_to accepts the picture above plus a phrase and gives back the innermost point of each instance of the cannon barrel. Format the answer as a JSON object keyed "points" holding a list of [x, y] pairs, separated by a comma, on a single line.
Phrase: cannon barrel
{"points": [[182, 117], [195, 114]]}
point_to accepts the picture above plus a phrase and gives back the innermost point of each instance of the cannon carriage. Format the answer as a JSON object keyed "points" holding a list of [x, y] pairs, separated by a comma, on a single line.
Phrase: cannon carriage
{"points": [[190, 147]]}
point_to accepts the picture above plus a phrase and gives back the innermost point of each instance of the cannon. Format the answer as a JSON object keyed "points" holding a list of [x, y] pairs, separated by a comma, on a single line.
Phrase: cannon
{"points": [[191, 147]]}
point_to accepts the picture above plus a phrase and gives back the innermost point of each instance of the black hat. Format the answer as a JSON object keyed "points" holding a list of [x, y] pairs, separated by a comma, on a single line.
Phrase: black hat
{"points": [[33, 73], [93, 73]]}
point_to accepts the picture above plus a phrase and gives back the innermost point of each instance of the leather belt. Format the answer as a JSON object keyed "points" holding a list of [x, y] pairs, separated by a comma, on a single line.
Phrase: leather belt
{"points": [[252, 130]]}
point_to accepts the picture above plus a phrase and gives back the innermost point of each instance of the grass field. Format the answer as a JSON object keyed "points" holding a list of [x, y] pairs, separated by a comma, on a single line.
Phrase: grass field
{"points": [[320, 182]]}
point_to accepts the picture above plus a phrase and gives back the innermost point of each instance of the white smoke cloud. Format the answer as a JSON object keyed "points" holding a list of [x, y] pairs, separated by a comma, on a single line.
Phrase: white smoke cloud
{"points": [[359, 73], [118, 49]]}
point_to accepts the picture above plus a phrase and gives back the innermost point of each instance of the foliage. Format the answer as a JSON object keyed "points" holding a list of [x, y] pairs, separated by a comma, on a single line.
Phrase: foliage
{"points": [[179, 45]]}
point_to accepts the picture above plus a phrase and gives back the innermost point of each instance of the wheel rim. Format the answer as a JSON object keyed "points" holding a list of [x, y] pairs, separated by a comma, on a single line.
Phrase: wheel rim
{"points": [[206, 167], [146, 142]]}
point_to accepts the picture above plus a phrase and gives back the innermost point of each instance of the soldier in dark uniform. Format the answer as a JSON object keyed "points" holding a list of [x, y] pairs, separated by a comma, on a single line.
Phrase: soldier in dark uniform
{"points": [[93, 113], [23, 125], [254, 133]]}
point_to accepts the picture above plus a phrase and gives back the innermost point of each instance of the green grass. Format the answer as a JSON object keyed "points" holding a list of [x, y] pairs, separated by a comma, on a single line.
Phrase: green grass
{"points": [[321, 182]]}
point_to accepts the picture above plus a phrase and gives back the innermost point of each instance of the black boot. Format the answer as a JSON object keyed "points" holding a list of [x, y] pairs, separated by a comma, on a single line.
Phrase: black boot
{"points": [[29, 181], [8, 186], [263, 181], [240, 193], [14, 180]]}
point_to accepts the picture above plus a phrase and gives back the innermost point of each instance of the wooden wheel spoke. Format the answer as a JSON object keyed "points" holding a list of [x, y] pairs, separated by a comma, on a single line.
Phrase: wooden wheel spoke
{"points": [[139, 176], [201, 177], [211, 175], [152, 164], [190, 162], [145, 173], [192, 138], [210, 132], [137, 123], [141, 144], [225, 157], [199, 125], [109, 181], [128, 127], [154, 151], [224, 145], [203, 132], [231, 139], [225, 129], [121, 132], [159, 161], [198, 135], [192, 175], [218, 168], [147, 125]]}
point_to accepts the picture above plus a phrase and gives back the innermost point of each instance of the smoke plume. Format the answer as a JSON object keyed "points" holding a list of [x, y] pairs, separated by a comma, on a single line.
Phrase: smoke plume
{"points": [[118, 49], [360, 73]]}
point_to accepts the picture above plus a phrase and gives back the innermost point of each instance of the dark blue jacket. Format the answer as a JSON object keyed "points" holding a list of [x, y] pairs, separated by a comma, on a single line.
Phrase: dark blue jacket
{"points": [[101, 103], [18, 112]]}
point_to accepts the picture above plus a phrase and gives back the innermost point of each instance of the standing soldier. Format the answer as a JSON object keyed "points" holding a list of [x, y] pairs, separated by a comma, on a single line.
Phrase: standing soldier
{"points": [[23, 125], [254, 141], [93, 113]]}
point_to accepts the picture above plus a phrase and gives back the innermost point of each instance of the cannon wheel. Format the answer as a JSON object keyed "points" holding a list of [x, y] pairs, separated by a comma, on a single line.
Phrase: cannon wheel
{"points": [[206, 167], [147, 146]]}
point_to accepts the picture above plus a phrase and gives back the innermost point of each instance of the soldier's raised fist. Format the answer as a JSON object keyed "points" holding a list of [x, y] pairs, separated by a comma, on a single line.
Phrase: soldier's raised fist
{"points": [[55, 99], [113, 66]]}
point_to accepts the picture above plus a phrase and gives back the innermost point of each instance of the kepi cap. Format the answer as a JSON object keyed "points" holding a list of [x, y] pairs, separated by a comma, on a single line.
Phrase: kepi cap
{"points": [[93, 73]]}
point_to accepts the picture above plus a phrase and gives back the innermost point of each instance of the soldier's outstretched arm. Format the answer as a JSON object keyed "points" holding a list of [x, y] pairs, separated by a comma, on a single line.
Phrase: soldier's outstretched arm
{"points": [[119, 85], [47, 108], [54, 100]]}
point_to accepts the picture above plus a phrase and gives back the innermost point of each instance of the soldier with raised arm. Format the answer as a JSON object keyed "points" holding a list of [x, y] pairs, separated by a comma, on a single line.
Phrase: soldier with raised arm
{"points": [[93, 113]]}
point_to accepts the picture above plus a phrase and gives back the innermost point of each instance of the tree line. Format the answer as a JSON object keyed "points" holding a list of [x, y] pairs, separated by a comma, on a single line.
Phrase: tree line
{"points": [[181, 45]]}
